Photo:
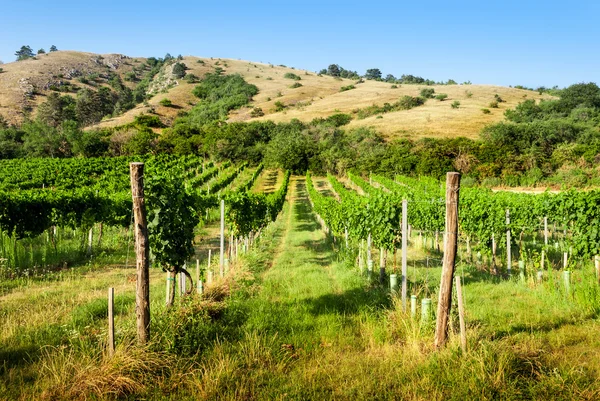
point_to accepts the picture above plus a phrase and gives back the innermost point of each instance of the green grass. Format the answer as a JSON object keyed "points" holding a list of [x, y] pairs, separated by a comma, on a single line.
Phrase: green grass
{"points": [[296, 320]]}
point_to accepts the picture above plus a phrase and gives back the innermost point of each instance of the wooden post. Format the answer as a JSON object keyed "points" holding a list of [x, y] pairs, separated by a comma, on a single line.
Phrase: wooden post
{"points": [[546, 231], [597, 265], [404, 253], [565, 259], [445, 296], [142, 252], [508, 250], [222, 255], [461, 315], [111, 321], [494, 253]]}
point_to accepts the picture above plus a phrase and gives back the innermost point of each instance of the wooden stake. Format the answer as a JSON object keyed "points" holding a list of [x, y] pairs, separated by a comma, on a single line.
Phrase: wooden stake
{"points": [[142, 252], [461, 316], [222, 254], [597, 264], [381, 266], [404, 252], [111, 321], [445, 296], [508, 250], [546, 231]]}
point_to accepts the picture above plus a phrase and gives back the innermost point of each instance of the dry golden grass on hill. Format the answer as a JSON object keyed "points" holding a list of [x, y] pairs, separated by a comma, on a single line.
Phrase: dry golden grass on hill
{"points": [[25, 84], [319, 96]]}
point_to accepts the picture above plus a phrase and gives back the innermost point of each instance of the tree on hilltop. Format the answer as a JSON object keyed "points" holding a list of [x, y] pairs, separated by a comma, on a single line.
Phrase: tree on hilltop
{"points": [[333, 70], [373, 73], [41, 51], [24, 53], [53, 48]]}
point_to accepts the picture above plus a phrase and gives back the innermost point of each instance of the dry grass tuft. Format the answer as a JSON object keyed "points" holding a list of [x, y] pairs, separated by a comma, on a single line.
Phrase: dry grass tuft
{"points": [[79, 376]]}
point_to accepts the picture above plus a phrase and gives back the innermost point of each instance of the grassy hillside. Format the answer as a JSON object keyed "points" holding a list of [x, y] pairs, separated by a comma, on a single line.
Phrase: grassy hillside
{"points": [[24, 84]]}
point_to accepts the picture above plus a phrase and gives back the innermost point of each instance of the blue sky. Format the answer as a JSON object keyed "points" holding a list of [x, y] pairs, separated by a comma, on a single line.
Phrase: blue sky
{"points": [[507, 42]]}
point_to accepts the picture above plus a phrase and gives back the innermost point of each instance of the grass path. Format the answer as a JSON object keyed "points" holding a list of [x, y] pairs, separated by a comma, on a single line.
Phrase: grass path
{"points": [[311, 299]]}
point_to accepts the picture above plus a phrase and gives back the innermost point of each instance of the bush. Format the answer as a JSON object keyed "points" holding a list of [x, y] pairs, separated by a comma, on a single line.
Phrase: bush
{"points": [[257, 112], [295, 85], [409, 102], [441, 97], [486, 111], [394, 87], [339, 119], [179, 70], [455, 104], [347, 88], [200, 62], [191, 78], [291, 75], [427, 93], [149, 121], [469, 94], [494, 104], [498, 98], [165, 102], [279, 106]]}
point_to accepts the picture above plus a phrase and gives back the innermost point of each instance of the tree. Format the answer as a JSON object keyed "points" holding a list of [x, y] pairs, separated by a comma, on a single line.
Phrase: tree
{"points": [[333, 70], [24, 53], [179, 70], [56, 109], [41, 51], [53, 48], [373, 73], [171, 221]]}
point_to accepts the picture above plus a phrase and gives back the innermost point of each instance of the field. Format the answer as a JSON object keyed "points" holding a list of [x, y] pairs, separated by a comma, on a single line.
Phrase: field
{"points": [[298, 315]]}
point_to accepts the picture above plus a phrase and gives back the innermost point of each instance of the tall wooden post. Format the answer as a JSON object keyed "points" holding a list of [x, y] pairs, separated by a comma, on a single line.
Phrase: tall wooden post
{"points": [[445, 296], [546, 231], [142, 253], [222, 255], [404, 253]]}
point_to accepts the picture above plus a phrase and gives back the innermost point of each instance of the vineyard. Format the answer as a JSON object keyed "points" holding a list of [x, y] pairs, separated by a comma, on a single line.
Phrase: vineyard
{"points": [[271, 289]]}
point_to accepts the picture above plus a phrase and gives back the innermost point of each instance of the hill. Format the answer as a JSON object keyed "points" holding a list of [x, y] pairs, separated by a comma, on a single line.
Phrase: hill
{"points": [[24, 85]]}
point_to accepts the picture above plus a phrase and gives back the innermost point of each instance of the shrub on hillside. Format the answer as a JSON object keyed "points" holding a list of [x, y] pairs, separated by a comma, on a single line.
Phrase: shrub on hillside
{"points": [[279, 106], [166, 102], [494, 104], [291, 75], [409, 102], [455, 104], [295, 85], [427, 93], [486, 111], [441, 97], [149, 121], [347, 88], [257, 112], [179, 70]]}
